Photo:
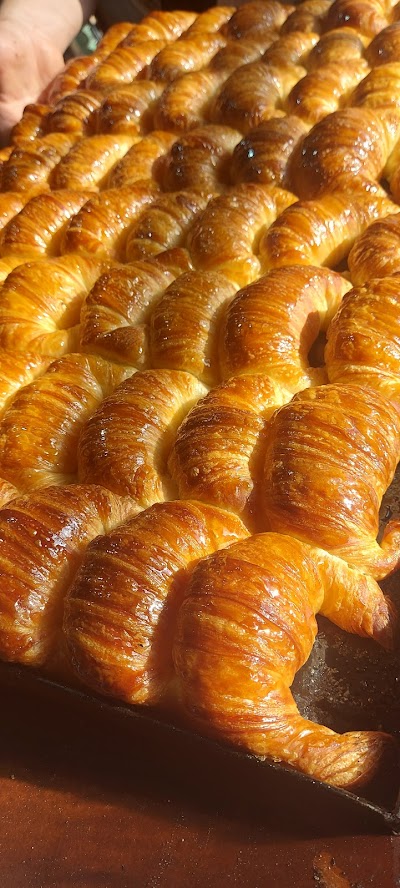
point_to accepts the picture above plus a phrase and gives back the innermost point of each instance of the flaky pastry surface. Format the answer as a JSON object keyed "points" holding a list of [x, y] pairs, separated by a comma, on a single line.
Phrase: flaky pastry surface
{"points": [[200, 365]]}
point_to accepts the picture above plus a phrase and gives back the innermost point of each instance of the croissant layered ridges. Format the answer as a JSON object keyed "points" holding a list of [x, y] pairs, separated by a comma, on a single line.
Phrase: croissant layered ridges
{"points": [[199, 366], [235, 655]]}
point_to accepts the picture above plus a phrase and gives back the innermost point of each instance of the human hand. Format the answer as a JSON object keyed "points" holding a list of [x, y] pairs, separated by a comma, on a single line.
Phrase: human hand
{"points": [[28, 62]]}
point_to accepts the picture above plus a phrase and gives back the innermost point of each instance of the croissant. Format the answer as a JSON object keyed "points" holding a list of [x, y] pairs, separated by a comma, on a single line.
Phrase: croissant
{"points": [[293, 48], [133, 659], [129, 109], [321, 92], [254, 92], [31, 125], [200, 160], [16, 371], [320, 232], [166, 25], [224, 236], [166, 224], [379, 88], [185, 323], [102, 225], [123, 65], [29, 165], [40, 303], [125, 444], [54, 407], [88, 164], [38, 229], [69, 79], [271, 325], [351, 462], [42, 539], [363, 338], [187, 101], [199, 365], [346, 149], [115, 314], [338, 45], [368, 17], [376, 252], [75, 113], [184, 55], [384, 48], [239, 642], [254, 17], [217, 455], [309, 17], [263, 154]]}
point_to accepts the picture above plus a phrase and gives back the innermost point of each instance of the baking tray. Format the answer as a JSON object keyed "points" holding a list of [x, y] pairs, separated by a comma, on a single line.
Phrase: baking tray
{"points": [[348, 683]]}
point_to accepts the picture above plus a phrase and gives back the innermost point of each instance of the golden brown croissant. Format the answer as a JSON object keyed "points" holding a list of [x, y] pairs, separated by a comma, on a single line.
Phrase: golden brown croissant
{"points": [[42, 539], [376, 252], [74, 113], [185, 323], [379, 88], [320, 232], [102, 225], [126, 443], [225, 236], [53, 408], [164, 225], [254, 92], [346, 149], [116, 312], [186, 102], [322, 91], [337, 443], [240, 640], [89, 163], [218, 453], [11, 203], [69, 79], [184, 55], [31, 124], [16, 371], [253, 18], [363, 338], [142, 161], [38, 229], [166, 25], [30, 164], [308, 17], [123, 65], [129, 109], [132, 657], [368, 17], [337, 45], [385, 46], [263, 155], [293, 48], [271, 325], [40, 304], [200, 160]]}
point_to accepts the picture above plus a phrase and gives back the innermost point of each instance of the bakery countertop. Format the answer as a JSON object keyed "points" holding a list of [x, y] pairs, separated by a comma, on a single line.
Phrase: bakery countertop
{"points": [[81, 807]]}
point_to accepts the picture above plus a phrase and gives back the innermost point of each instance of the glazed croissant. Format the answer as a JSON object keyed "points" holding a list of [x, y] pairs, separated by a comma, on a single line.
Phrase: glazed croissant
{"points": [[244, 628], [199, 365], [230, 644], [351, 462]]}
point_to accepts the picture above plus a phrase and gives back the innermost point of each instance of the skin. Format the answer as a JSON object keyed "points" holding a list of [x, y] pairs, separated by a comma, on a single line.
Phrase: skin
{"points": [[33, 37]]}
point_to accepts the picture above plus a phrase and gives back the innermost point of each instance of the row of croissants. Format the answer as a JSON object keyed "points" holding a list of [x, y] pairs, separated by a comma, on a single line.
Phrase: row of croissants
{"points": [[200, 366]]}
